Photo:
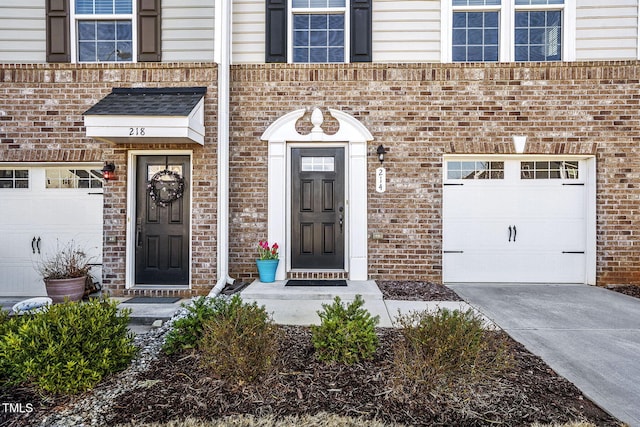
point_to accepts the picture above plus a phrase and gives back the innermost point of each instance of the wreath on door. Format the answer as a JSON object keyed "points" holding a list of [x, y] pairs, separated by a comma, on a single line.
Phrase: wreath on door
{"points": [[165, 187]]}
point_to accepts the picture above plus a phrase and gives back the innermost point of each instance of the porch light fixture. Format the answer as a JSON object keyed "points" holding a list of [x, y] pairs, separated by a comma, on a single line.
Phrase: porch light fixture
{"points": [[108, 171], [519, 143], [381, 152]]}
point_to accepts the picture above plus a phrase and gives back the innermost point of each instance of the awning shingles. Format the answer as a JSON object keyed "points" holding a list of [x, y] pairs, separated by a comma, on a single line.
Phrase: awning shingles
{"points": [[130, 115]]}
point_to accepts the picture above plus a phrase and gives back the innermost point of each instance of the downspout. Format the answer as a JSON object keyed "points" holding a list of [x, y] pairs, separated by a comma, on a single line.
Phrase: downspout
{"points": [[222, 54]]}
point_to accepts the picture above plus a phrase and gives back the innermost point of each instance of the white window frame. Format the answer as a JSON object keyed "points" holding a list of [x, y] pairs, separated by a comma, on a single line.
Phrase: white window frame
{"points": [[73, 31], [319, 11], [506, 41]]}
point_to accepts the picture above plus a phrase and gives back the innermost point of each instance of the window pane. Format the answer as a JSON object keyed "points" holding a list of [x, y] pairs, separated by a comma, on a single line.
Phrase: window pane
{"points": [[318, 3], [475, 36], [318, 38], [107, 41], [476, 2], [475, 170], [533, 2], [105, 7], [538, 35]]}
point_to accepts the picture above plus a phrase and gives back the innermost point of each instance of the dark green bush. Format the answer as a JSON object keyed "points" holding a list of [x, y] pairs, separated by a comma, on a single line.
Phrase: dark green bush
{"points": [[445, 345], [345, 334], [188, 331], [240, 342], [69, 348]]}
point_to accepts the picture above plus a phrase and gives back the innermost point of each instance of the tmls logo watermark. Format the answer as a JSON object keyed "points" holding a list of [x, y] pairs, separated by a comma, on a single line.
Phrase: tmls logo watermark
{"points": [[17, 408]]}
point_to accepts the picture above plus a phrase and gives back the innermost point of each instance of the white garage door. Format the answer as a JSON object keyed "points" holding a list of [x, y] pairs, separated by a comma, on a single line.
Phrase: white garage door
{"points": [[514, 221], [44, 208]]}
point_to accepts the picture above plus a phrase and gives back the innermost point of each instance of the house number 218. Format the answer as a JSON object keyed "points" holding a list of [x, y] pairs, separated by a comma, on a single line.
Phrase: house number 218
{"points": [[136, 131]]}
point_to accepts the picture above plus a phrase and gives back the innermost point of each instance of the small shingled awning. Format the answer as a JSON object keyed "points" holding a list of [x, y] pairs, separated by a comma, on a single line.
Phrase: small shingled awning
{"points": [[148, 115]]}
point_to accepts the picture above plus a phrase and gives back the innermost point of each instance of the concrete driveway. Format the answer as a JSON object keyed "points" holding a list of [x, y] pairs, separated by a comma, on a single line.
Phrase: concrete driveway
{"points": [[589, 335]]}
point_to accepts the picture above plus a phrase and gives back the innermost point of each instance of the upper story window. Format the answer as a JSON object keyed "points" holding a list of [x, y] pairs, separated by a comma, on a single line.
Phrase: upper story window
{"points": [[508, 30], [319, 28], [318, 31], [104, 30]]}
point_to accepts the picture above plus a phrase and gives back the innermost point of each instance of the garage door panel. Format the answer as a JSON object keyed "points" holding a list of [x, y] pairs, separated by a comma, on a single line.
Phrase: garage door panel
{"points": [[514, 229], [503, 266], [53, 217]]}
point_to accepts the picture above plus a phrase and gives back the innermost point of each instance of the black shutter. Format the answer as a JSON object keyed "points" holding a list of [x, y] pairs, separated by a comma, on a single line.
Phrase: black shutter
{"points": [[58, 44], [149, 43], [361, 50], [276, 31]]}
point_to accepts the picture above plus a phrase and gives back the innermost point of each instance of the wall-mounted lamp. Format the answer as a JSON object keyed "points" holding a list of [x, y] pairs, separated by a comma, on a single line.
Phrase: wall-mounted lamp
{"points": [[381, 152], [519, 143], [108, 171]]}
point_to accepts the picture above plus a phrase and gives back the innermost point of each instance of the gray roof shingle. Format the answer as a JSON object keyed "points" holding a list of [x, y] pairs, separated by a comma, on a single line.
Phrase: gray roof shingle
{"points": [[172, 101]]}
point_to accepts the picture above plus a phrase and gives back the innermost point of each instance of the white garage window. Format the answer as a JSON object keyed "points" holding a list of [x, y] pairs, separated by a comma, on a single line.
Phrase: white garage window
{"points": [[475, 170], [549, 170], [14, 178], [73, 178]]}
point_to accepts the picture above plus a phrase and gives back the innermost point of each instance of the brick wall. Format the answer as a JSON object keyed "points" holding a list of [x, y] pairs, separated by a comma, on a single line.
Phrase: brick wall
{"points": [[41, 120], [421, 112]]}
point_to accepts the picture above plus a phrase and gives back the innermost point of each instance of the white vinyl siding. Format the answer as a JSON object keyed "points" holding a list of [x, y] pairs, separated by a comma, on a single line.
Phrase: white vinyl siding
{"points": [[187, 30], [606, 30], [406, 31], [248, 31], [22, 31]]}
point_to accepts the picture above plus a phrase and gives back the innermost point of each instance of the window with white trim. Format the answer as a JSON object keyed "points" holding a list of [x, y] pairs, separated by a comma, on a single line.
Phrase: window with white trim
{"points": [[507, 30], [319, 30], [14, 178], [103, 30]]}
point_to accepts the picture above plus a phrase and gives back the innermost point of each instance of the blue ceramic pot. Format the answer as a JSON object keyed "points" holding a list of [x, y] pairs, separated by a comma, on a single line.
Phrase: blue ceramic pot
{"points": [[267, 269]]}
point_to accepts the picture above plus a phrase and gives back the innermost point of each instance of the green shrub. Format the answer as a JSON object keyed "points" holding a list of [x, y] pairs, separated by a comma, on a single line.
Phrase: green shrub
{"points": [[188, 331], [69, 348], [240, 343], [345, 334], [445, 345]]}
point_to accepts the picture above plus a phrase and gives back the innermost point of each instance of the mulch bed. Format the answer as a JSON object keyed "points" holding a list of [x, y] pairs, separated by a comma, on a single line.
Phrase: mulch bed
{"points": [[416, 291], [177, 387], [631, 290]]}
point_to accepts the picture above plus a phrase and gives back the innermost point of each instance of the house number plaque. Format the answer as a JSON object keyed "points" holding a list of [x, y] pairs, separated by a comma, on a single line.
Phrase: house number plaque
{"points": [[381, 180]]}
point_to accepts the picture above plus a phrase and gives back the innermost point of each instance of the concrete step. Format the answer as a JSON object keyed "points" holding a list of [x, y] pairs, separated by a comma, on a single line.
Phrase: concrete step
{"points": [[277, 290]]}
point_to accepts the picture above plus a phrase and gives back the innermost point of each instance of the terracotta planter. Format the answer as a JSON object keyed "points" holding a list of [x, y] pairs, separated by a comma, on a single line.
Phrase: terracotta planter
{"points": [[59, 289]]}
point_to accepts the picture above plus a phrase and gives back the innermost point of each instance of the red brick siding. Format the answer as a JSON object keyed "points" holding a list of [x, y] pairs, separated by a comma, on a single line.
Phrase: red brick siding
{"points": [[421, 112], [41, 120], [418, 111]]}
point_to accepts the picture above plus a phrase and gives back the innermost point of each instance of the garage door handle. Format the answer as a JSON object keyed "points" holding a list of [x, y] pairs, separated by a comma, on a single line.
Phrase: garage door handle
{"points": [[38, 244], [33, 245], [515, 232], [509, 233]]}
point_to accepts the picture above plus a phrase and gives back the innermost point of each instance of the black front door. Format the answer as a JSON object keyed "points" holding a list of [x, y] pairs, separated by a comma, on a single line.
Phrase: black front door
{"points": [[162, 220], [318, 209]]}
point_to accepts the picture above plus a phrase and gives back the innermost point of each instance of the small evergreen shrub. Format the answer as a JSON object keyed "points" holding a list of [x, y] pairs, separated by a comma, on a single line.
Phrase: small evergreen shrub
{"points": [[240, 343], [187, 331], [345, 334], [445, 345], [69, 348]]}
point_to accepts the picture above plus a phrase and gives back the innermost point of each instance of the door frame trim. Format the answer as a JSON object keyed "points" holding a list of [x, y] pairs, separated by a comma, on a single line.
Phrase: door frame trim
{"points": [[590, 198], [130, 266], [354, 136]]}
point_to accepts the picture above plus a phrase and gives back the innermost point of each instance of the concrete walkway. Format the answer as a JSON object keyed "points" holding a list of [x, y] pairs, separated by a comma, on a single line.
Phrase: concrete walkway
{"points": [[589, 335], [299, 305]]}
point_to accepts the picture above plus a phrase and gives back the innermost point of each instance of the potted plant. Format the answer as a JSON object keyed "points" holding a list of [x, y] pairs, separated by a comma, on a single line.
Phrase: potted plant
{"points": [[268, 261], [65, 272]]}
